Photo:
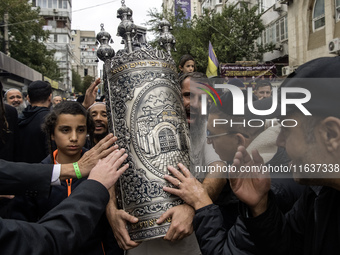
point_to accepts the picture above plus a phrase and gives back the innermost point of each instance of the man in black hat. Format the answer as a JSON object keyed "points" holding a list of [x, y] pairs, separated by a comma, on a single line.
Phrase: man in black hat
{"points": [[33, 143]]}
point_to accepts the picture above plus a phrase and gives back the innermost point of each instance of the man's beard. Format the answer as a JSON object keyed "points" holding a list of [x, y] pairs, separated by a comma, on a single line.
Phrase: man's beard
{"points": [[98, 137], [198, 133], [20, 108]]}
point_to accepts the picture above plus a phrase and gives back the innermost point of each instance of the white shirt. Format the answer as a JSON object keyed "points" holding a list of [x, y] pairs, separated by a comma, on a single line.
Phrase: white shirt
{"points": [[55, 179]]}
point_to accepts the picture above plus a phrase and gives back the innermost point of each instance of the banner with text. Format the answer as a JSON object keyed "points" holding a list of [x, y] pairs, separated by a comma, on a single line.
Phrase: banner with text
{"points": [[239, 70]]}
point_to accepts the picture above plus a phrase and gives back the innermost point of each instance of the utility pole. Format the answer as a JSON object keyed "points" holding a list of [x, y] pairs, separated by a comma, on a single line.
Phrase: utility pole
{"points": [[6, 41], [69, 86]]}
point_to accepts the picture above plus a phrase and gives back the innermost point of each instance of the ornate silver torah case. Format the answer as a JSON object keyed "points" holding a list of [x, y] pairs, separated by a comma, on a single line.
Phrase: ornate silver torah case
{"points": [[147, 116]]}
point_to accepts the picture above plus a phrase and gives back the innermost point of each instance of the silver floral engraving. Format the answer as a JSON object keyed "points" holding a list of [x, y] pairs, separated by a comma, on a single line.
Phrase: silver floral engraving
{"points": [[143, 189], [155, 208], [147, 234]]}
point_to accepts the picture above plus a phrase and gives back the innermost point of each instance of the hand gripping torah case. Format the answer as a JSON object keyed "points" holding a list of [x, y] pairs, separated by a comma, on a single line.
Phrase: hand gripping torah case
{"points": [[146, 113]]}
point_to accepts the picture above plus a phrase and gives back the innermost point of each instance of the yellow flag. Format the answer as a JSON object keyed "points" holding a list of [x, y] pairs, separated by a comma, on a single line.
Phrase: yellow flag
{"points": [[212, 62]]}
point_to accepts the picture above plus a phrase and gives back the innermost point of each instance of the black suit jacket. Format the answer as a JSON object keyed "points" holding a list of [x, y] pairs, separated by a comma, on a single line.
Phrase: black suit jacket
{"points": [[9, 139], [60, 231], [25, 179]]}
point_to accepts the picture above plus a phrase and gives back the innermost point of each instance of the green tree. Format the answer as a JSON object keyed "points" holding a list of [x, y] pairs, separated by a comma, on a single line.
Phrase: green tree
{"points": [[233, 34], [88, 79], [26, 37], [76, 82]]}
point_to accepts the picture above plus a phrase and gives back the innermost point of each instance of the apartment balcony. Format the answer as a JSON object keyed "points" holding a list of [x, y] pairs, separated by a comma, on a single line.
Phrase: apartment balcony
{"points": [[59, 13], [58, 31]]}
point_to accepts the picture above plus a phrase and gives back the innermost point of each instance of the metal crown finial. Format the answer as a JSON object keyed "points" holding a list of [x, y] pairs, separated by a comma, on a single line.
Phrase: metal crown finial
{"points": [[166, 40], [105, 51], [126, 29]]}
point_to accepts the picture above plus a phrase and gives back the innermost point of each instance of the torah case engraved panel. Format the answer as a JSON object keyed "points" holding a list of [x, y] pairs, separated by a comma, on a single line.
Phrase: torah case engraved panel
{"points": [[145, 112]]}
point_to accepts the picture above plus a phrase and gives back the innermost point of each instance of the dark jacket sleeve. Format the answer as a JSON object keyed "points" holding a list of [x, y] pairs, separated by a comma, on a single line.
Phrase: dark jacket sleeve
{"points": [[9, 140], [60, 231], [214, 239], [276, 233], [25, 179]]}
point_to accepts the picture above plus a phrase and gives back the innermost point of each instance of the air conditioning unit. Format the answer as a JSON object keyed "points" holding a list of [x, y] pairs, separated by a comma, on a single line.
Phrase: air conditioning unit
{"points": [[286, 70], [334, 45], [277, 7], [278, 46]]}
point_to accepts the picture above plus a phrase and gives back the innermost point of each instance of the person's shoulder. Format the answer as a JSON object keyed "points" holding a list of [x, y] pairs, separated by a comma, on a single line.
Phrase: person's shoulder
{"points": [[41, 112], [10, 110], [44, 110], [11, 113]]}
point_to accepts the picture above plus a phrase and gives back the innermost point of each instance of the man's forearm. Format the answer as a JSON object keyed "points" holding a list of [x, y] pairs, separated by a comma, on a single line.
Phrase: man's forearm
{"points": [[112, 205], [67, 171], [214, 183]]}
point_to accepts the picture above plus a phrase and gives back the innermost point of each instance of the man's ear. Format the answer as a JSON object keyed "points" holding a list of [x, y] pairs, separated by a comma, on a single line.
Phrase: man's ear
{"points": [[330, 133], [241, 140]]}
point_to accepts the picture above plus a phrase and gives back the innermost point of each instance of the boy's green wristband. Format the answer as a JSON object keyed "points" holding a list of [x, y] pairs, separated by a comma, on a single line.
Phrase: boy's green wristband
{"points": [[76, 169]]}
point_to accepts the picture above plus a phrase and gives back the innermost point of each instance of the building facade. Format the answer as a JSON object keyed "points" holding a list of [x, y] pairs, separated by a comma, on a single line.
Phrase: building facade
{"points": [[58, 17], [84, 59], [275, 19], [314, 30], [217, 5]]}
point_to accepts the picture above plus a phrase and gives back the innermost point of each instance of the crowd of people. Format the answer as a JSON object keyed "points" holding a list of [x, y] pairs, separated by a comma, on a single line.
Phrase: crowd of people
{"points": [[62, 191]]}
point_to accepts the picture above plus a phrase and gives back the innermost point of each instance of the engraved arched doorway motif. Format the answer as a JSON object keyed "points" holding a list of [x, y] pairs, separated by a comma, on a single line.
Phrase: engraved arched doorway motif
{"points": [[156, 120], [167, 140]]}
